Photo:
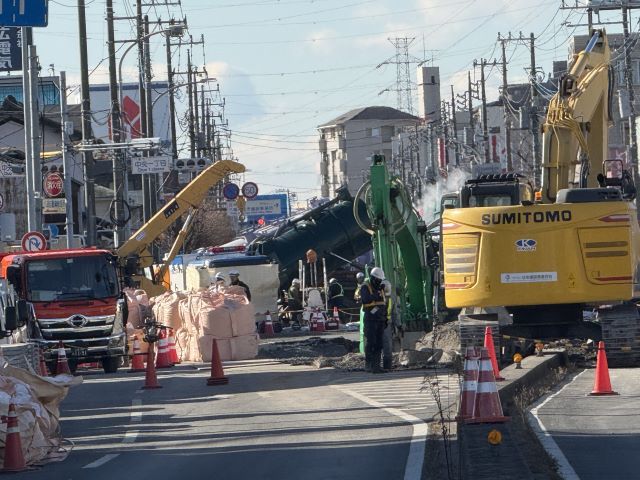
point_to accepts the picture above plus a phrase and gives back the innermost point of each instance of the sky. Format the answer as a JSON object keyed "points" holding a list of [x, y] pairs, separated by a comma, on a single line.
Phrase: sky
{"points": [[286, 66]]}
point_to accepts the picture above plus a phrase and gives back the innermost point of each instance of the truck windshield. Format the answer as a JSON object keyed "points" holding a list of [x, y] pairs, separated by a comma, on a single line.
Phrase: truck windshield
{"points": [[75, 278]]}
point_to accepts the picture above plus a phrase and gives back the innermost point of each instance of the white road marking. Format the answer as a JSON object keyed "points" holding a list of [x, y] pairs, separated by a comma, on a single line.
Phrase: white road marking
{"points": [[102, 460], [129, 436], [415, 460], [564, 467]]}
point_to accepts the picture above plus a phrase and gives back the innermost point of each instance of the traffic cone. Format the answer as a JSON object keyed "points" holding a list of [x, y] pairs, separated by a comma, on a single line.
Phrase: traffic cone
{"points": [[334, 323], [137, 362], [13, 456], [268, 326], [602, 383], [488, 344], [63, 365], [173, 353], [487, 407], [150, 378], [44, 372], [217, 374], [162, 359], [469, 384]]}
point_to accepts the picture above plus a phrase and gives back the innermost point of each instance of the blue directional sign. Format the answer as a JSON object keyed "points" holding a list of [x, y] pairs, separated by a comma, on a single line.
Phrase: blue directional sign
{"points": [[24, 13]]}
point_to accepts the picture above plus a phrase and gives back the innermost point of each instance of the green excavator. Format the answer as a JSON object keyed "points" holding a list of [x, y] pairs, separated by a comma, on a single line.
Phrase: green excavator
{"points": [[405, 248]]}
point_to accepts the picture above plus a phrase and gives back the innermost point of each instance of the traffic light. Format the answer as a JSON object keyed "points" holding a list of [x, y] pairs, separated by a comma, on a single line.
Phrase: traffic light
{"points": [[192, 164], [261, 221]]}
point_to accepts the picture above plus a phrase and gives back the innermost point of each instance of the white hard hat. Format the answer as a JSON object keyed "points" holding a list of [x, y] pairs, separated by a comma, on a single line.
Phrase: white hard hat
{"points": [[360, 276], [332, 281], [219, 276], [295, 282], [234, 273], [377, 273]]}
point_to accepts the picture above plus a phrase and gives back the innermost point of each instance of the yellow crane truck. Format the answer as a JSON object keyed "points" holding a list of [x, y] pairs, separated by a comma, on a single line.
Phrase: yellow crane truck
{"points": [[574, 246]]}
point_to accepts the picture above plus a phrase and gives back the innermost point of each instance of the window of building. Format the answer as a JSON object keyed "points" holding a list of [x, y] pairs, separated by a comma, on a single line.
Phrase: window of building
{"points": [[375, 132], [48, 93], [387, 133], [332, 132]]}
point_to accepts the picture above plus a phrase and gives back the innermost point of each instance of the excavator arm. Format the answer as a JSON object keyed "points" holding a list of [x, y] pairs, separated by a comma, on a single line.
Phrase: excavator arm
{"points": [[571, 154], [137, 248]]}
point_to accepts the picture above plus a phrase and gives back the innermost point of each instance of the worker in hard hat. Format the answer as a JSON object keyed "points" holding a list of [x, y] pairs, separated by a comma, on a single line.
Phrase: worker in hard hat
{"points": [[359, 282], [219, 285], [375, 318], [387, 337], [234, 280], [294, 300], [335, 297]]}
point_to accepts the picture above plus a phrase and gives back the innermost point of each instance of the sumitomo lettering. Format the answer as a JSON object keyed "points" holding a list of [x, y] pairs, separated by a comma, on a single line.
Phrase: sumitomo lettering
{"points": [[526, 217]]}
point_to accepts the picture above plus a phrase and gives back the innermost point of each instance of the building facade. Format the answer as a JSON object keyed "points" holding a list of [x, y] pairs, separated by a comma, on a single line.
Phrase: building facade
{"points": [[347, 142]]}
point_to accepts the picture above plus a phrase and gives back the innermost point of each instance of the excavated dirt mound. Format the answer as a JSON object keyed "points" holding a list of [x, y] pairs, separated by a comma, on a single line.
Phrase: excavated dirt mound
{"points": [[445, 336], [306, 351]]}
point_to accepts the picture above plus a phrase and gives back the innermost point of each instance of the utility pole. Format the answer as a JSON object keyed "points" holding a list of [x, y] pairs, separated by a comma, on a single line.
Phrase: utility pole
{"points": [[471, 119], [66, 161], [190, 88], [116, 130], [172, 101], [152, 185], [535, 128], [142, 93], [483, 92], [85, 111], [628, 78], [36, 154], [505, 102], [30, 174], [456, 147]]}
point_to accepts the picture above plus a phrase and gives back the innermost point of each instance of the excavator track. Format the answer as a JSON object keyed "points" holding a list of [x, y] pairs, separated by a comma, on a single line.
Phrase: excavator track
{"points": [[621, 333]]}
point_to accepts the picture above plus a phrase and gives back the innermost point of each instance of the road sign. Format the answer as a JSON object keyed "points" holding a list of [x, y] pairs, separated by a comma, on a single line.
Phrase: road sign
{"points": [[24, 13], [53, 184], [231, 191], [10, 49], [53, 206], [34, 242], [158, 164], [1, 203], [53, 229], [250, 190]]}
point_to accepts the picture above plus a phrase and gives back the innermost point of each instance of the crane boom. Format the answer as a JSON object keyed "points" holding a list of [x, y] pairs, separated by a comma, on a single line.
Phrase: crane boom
{"points": [[190, 197], [575, 133]]}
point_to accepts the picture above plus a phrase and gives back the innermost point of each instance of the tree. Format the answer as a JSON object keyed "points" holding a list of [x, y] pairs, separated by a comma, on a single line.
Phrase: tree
{"points": [[210, 226]]}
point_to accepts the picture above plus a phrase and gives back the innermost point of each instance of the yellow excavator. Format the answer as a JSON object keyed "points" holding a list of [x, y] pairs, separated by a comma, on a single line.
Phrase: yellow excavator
{"points": [[549, 256], [135, 255]]}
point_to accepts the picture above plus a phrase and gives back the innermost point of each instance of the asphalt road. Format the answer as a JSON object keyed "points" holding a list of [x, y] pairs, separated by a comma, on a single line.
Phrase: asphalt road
{"points": [[593, 438], [272, 421]]}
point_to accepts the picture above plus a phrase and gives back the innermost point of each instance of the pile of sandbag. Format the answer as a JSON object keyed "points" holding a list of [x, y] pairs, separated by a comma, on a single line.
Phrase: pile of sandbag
{"points": [[199, 317], [37, 402]]}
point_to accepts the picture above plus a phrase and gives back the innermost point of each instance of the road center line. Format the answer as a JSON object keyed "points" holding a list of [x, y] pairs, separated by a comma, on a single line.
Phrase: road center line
{"points": [[415, 460], [546, 439], [102, 460]]}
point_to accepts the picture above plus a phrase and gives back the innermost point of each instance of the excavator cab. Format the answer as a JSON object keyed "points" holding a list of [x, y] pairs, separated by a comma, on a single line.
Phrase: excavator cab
{"points": [[499, 190], [615, 175]]}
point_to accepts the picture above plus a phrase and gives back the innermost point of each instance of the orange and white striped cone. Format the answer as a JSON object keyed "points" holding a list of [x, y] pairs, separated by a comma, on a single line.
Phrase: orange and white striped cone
{"points": [[268, 326], [162, 358], [62, 366], [173, 353], [137, 361], [469, 384], [13, 456], [44, 371], [334, 322], [488, 408], [488, 344]]}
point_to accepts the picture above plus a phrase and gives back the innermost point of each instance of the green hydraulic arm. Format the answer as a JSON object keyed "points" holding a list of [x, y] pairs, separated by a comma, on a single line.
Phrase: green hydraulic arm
{"points": [[401, 244]]}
